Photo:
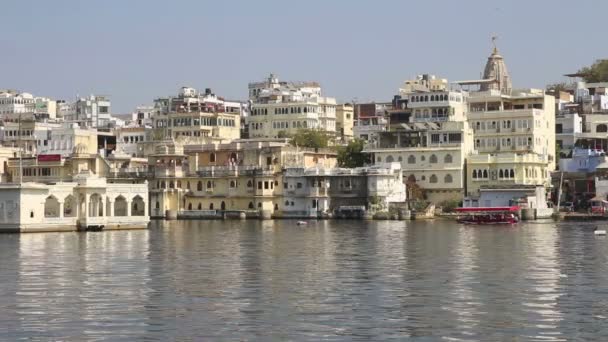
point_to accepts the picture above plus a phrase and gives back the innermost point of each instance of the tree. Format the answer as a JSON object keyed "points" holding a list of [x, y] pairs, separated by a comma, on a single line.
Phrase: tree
{"points": [[310, 138], [597, 72], [352, 154]]}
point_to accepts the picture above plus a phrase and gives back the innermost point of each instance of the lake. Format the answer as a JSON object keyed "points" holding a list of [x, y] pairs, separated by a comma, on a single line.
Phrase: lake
{"points": [[329, 280]]}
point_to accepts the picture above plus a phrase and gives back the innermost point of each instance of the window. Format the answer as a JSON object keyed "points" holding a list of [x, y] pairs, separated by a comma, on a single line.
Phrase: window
{"points": [[299, 185], [447, 178], [266, 185], [249, 183], [389, 159], [447, 159], [232, 184], [212, 157], [411, 160], [259, 185], [433, 159], [209, 185], [199, 186], [433, 179], [601, 128]]}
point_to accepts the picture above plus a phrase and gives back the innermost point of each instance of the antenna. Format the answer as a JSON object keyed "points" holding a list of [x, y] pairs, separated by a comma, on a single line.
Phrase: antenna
{"points": [[494, 38]]}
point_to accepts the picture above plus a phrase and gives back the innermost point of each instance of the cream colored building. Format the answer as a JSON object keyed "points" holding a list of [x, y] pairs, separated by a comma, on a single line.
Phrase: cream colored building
{"points": [[432, 148], [196, 116], [87, 202], [211, 179], [514, 132], [432, 156], [283, 108], [345, 121]]}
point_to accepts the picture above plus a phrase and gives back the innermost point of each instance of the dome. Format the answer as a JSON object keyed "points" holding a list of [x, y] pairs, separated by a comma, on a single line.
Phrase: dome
{"points": [[80, 149], [496, 70]]}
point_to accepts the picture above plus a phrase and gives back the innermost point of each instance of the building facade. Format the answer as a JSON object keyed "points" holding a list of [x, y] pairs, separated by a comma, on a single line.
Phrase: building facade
{"points": [[196, 116], [281, 108]]}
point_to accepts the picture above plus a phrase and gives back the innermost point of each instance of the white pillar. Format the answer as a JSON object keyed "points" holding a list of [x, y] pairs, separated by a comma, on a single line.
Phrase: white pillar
{"points": [[111, 209], [128, 208], [61, 209]]}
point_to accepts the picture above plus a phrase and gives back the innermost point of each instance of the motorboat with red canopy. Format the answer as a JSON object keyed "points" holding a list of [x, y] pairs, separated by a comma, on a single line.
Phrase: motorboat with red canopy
{"points": [[488, 215]]}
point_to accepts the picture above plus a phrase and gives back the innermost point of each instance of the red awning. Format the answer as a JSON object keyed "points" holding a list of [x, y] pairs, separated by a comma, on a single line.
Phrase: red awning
{"points": [[488, 209]]}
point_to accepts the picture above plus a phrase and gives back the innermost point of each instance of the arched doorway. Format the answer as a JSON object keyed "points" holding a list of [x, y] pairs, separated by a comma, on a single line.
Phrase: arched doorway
{"points": [[69, 206], [95, 205], [120, 206], [223, 205], [138, 206], [51, 207]]}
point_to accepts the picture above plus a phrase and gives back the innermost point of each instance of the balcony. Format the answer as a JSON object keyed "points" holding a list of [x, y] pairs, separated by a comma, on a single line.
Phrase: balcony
{"points": [[235, 170]]}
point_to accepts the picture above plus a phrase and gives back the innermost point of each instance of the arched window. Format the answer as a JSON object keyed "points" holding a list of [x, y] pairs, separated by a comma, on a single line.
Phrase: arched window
{"points": [[189, 206], [447, 178], [138, 206], [120, 206], [199, 186], [163, 185], [411, 160], [210, 206], [474, 174], [250, 205], [209, 185], [286, 203], [447, 159], [188, 185], [485, 173], [51, 207], [512, 173], [212, 157], [389, 159], [433, 159], [433, 179], [171, 185], [501, 174], [232, 184], [200, 206], [249, 183], [223, 205], [601, 128]]}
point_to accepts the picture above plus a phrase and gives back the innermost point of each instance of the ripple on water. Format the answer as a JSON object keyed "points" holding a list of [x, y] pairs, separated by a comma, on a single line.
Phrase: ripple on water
{"points": [[340, 280]]}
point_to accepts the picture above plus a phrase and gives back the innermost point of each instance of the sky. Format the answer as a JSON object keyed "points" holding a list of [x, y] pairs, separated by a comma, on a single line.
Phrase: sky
{"points": [[138, 50]]}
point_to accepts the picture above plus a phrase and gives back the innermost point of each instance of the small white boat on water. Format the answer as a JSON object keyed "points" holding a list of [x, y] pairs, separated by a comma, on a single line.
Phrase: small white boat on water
{"points": [[301, 223], [599, 232]]}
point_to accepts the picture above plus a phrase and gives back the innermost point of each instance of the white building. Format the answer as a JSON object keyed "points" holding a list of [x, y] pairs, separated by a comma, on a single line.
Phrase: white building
{"points": [[92, 111], [88, 202], [434, 145], [320, 192], [282, 108]]}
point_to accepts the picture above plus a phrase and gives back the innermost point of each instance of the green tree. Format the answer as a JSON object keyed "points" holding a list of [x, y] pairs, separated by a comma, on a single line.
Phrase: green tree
{"points": [[352, 154], [597, 72], [310, 138]]}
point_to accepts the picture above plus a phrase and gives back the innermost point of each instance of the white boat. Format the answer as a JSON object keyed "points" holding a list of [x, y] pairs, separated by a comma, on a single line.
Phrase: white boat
{"points": [[599, 232], [301, 223]]}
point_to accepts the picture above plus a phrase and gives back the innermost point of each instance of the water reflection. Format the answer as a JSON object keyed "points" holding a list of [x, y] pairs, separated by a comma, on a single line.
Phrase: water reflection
{"points": [[273, 280]]}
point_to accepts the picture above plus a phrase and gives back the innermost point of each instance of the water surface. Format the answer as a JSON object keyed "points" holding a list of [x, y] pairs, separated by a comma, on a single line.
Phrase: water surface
{"points": [[330, 280]]}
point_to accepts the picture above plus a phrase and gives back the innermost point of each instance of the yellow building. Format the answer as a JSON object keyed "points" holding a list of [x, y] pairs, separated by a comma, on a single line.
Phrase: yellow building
{"points": [[244, 175], [514, 132], [345, 121]]}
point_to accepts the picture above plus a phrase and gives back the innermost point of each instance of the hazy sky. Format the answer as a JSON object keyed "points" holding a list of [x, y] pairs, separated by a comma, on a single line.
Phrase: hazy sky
{"points": [[135, 51]]}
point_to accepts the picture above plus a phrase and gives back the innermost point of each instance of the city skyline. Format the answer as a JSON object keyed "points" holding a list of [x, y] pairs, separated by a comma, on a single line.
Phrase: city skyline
{"points": [[355, 50]]}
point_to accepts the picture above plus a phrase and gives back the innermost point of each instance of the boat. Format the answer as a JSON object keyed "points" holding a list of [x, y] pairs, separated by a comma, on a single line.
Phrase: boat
{"points": [[301, 223], [488, 215]]}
